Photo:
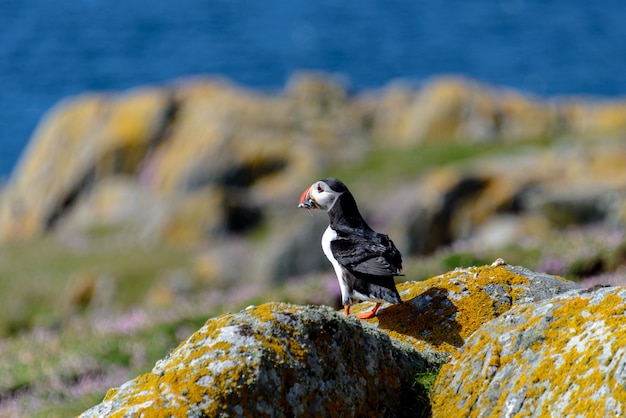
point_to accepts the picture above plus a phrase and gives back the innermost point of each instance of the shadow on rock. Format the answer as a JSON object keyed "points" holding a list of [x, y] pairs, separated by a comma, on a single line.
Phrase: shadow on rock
{"points": [[430, 317]]}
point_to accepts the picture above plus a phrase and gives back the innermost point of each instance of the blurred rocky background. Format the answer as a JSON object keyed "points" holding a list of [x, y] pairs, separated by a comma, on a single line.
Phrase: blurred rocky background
{"points": [[134, 216]]}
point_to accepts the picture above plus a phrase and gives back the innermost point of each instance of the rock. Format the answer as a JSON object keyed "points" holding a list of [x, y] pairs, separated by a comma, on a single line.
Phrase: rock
{"points": [[445, 105], [248, 153], [255, 149], [452, 108], [226, 136], [552, 189], [79, 142], [443, 312], [116, 203], [297, 252], [607, 117], [248, 150], [278, 360], [563, 356]]}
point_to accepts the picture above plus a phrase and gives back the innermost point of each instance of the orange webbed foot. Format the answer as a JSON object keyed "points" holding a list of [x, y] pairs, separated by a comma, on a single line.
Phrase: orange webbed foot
{"points": [[369, 314]]}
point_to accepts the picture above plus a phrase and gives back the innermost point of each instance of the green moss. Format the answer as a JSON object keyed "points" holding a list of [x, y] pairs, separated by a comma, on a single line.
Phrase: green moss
{"points": [[425, 382]]}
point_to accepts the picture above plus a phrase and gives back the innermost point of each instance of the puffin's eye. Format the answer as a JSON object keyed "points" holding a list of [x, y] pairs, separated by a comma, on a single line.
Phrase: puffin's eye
{"points": [[319, 189]]}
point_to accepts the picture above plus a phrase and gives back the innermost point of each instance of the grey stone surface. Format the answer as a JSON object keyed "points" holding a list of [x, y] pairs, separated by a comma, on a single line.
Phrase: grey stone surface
{"points": [[564, 356], [278, 360]]}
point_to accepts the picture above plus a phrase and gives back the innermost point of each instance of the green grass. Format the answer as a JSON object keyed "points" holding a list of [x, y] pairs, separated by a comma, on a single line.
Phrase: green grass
{"points": [[426, 380], [421, 391], [41, 278], [42, 370]]}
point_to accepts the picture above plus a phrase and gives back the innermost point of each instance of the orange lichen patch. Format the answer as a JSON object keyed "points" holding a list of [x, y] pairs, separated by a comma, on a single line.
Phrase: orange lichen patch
{"points": [[440, 313], [558, 357]]}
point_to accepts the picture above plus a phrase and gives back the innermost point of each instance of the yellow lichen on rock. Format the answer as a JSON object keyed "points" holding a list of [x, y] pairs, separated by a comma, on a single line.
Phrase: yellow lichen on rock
{"points": [[276, 360], [260, 148], [562, 356], [280, 359], [79, 141]]}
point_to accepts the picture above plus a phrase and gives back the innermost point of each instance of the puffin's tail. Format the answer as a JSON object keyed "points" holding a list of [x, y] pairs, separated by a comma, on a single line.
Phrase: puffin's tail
{"points": [[378, 288]]}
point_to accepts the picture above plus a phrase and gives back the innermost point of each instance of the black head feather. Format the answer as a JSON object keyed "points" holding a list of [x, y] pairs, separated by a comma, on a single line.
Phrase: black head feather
{"points": [[335, 184], [346, 211]]}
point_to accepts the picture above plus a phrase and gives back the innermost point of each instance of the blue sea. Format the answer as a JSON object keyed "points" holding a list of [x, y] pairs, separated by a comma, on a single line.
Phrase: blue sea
{"points": [[53, 49]]}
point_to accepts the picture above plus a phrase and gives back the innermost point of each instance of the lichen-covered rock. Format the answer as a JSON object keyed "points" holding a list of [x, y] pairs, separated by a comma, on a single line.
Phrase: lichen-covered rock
{"points": [[559, 187], [442, 312], [192, 140], [564, 356], [449, 108], [78, 142], [278, 360], [253, 150]]}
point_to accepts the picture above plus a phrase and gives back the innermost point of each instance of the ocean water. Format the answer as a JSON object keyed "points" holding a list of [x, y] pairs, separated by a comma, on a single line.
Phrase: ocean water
{"points": [[53, 49]]}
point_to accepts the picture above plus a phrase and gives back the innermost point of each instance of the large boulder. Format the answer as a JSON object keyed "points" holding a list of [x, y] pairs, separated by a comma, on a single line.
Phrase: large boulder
{"points": [[564, 356], [278, 360], [79, 142], [450, 108], [188, 139]]}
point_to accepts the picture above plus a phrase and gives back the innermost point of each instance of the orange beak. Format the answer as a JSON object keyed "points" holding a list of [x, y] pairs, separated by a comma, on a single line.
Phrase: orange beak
{"points": [[307, 201]]}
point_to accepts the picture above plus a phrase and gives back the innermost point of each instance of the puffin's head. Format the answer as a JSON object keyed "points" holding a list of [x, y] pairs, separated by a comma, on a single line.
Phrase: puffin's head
{"points": [[322, 194]]}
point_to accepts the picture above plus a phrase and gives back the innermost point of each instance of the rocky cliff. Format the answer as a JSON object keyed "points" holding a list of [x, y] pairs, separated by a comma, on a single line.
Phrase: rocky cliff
{"points": [[207, 157]]}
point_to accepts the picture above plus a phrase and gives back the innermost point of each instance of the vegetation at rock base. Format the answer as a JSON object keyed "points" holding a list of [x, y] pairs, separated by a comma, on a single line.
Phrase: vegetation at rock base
{"points": [[422, 388]]}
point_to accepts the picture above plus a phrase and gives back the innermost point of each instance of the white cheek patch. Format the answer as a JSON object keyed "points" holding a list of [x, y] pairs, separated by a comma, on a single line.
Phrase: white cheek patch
{"points": [[328, 200], [334, 201]]}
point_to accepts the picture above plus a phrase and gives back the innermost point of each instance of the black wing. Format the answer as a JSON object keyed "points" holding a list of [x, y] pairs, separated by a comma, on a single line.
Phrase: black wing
{"points": [[374, 255]]}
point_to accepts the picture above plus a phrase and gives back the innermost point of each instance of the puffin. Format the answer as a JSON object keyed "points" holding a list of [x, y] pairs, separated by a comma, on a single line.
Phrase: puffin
{"points": [[364, 260]]}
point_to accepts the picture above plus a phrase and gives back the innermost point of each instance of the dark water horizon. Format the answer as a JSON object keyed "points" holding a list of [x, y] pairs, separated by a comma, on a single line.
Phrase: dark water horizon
{"points": [[52, 50]]}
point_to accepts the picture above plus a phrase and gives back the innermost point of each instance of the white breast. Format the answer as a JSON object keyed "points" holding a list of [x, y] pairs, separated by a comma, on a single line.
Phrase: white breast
{"points": [[329, 236], [343, 276]]}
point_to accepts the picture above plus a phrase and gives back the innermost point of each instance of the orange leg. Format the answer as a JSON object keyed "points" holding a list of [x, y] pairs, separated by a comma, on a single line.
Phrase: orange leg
{"points": [[370, 314], [346, 309]]}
